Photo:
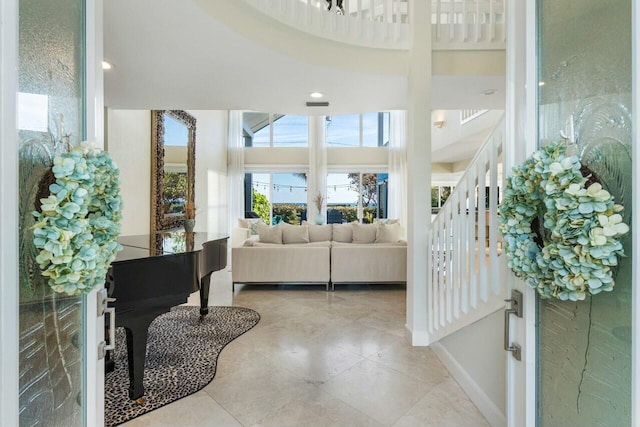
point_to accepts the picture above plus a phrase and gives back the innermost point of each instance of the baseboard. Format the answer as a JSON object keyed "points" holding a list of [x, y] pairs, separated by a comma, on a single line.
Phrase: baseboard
{"points": [[487, 408]]}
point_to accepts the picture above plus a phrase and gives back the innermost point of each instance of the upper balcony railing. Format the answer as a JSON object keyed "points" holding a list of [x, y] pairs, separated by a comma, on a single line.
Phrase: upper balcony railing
{"points": [[456, 24]]}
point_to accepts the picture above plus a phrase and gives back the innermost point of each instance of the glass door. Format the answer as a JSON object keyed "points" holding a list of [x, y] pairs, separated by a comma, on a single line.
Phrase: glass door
{"points": [[51, 118], [584, 91]]}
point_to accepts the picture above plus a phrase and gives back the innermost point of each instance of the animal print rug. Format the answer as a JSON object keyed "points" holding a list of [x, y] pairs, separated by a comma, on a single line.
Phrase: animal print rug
{"points": [[182, 352]]}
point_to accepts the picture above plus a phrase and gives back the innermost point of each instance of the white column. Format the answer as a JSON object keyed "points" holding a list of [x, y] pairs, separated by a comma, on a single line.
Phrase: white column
{"points": [[419, 169], [9, 214], [317, 177]]}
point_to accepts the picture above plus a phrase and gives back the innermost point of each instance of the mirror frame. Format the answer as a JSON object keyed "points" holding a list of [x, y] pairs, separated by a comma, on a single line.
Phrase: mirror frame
{"points": [[159, 220]]}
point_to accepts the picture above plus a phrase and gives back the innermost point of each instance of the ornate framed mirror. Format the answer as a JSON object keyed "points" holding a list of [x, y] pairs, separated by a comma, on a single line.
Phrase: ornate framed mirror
{"points": [[173, 158]]}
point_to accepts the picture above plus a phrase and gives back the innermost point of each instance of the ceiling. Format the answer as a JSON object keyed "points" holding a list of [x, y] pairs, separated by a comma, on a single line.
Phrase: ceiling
{"points": [[174, 54]]}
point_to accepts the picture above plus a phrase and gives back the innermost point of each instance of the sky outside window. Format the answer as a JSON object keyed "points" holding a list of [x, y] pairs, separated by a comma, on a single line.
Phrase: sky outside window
{"points": [[289, 188], [343, 130], [290, 131], [340, 190]]}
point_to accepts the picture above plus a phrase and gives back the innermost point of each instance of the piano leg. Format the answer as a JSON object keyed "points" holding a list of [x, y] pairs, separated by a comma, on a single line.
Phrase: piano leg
{"points": [[136, 352], [204, 294]]}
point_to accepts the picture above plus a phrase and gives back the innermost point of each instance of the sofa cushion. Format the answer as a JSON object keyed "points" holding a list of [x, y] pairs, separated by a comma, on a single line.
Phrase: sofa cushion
{"points": [[342, 233], [251, 241], [294, 233], [364, 233], [398, 244], [386, 221], [270, 234], [251, 224], [388, 233], [320, 233]]}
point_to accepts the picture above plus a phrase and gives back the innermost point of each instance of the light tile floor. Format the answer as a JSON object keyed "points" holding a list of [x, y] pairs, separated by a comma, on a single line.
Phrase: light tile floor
{"points": [[321, 359]]}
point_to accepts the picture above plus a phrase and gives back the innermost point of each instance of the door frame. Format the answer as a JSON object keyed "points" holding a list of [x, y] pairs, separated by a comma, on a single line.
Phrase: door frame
{"points": [[9, 217], [9, 299], [521, 112], [635, 217], [521, 394], [94, 125]]}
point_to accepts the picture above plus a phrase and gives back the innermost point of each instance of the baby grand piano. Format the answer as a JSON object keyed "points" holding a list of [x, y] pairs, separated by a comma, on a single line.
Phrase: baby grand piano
{"points": [[154, 273]]}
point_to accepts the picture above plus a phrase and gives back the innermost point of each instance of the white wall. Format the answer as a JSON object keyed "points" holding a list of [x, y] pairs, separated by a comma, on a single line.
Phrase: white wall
{"points": [[211, 170], [475, 357], [129, 143]]}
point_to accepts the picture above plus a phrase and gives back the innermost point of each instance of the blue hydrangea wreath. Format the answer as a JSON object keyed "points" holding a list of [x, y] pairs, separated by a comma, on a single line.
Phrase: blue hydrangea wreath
{"points": [[573, 252], [78, 223]]}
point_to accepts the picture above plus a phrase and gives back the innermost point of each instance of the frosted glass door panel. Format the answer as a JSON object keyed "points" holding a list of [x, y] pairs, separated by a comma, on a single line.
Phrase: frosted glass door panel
{"points": [[50, 119], [584, 351]]}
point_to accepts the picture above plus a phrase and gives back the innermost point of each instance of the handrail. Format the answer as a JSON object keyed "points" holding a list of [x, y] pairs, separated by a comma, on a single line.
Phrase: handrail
{"points": [[456, 24], [462, 281]]}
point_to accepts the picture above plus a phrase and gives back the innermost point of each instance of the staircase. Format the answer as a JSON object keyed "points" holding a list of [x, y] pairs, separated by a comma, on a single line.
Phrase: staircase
{"points": [[463, 283], [456, 24]]}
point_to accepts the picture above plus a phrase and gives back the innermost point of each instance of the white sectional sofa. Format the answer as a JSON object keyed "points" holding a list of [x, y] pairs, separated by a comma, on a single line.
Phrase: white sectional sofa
{"points": [[329, 254]]}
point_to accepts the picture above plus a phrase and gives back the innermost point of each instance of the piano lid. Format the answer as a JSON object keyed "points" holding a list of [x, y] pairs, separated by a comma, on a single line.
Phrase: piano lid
{"points": [[163, 243]]}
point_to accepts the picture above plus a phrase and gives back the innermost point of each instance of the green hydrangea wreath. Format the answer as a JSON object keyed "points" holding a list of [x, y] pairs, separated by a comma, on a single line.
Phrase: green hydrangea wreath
{"points": [[78, 223], [572, 253]]}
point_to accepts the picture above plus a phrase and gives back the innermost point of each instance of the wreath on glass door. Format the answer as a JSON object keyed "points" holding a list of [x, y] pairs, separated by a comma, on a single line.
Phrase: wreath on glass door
{"points": [[79, 221], [560, 227]]}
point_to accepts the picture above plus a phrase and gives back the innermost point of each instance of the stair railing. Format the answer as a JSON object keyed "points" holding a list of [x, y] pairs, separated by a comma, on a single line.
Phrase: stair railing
{"points": [[463, 283], [456, 24]]}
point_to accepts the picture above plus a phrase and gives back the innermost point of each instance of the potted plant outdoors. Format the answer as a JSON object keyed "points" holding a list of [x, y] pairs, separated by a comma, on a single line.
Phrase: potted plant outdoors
{"points": [[189, 217]]}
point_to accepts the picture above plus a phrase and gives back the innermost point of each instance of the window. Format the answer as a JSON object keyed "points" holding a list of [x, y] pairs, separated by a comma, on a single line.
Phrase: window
{"points": [[275, 130], [290, 131], [375, 129], [439, 196], [278, 197], [355, 195], [343, 130], [355, 130]]}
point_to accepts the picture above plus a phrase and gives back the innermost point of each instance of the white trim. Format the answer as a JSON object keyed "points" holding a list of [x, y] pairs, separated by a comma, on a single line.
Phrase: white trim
{"points": [[276, 168], [635, 226], [358, 168], [417, 338], [485, 405], [9, 304], [94, 125]]}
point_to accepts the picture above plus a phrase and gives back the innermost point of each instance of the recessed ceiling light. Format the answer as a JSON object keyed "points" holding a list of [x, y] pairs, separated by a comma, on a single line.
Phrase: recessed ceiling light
{"points": [[106, 65], [316, 94], [488, 92], [540, 83]]}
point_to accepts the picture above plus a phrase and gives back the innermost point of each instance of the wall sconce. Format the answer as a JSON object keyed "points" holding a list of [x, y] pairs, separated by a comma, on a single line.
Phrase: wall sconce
{"points": [[439, 124]]}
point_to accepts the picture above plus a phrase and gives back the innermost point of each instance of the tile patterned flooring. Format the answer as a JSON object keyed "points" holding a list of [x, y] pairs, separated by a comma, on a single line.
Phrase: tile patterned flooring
{"points": [[321, 359]]}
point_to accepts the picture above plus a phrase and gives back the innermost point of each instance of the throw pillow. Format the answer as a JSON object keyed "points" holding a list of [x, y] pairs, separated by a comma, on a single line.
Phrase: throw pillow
{"points": [[342, 232], [386, 221], [320, 233], [251, 224], [270, 234], [294, 233], [388, 233], [364, 233]]}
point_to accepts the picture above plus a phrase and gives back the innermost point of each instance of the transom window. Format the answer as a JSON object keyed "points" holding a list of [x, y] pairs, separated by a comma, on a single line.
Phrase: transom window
{"points": [[275, 130], [358, 130]]}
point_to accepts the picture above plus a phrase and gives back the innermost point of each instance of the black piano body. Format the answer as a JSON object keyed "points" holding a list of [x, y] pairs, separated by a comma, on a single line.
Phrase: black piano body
{"points": [[154, 273]]}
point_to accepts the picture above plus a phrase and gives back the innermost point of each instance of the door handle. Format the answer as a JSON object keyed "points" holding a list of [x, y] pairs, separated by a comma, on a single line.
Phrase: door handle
{"points": [[516, 308], [111, 345]]}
